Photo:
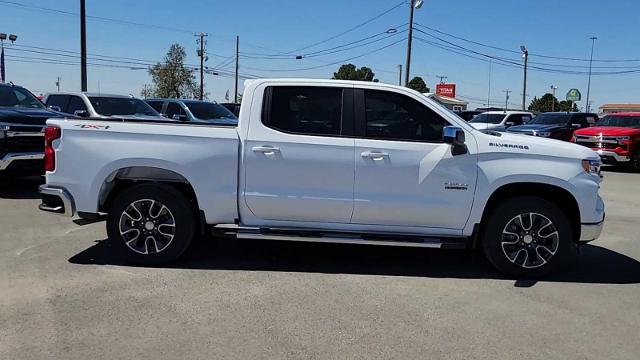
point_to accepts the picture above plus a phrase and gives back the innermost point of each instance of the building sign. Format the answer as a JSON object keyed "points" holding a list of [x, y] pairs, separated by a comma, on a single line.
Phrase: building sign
{"points": [[574, 95], [448, 90]]}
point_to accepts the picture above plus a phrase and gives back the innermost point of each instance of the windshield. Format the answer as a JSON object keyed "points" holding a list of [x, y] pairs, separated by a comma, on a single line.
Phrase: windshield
{"points": [[621, 121], [110, 106], [210, 111], [550, 119], [13, 96], [488, 118]]}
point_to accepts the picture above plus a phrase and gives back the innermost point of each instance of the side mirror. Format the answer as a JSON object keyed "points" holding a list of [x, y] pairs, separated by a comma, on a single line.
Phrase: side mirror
{"points": [[81, 113], [54, 108], [509, 123], [179, 117], [455, 136]]}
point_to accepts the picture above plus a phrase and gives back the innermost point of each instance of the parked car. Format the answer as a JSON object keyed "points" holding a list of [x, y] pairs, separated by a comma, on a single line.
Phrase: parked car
{"points": [[500, 120], [556, 125], [467, 115], [616, 137], [194, 111], [22, 121], [328, 161], [101, 106], [233, 107]]}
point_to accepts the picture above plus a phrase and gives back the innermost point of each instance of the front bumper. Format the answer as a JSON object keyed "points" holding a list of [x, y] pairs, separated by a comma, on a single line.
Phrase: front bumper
{"points": [[56, 200], [590, 232], [612, 155], [11, 158]]}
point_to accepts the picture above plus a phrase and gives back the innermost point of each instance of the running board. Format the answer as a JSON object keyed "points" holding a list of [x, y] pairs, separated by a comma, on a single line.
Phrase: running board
{"points": [[346, 238]]}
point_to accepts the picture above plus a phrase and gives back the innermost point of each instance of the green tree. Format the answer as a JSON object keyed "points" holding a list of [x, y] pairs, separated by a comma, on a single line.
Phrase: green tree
{"points": [[418, 84], [544, 104], [171, 78], [349, 72]]}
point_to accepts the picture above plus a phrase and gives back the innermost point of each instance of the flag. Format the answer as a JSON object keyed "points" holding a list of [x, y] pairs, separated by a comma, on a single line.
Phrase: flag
{"points": [[2, 65], [226, 96]]}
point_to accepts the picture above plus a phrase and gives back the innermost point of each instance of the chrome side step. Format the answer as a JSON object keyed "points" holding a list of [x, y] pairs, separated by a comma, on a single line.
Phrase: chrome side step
{"points": [[347, 238]]}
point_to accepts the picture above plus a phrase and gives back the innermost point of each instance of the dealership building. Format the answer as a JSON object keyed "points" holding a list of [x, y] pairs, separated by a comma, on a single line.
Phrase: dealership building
{"points": [[616, 108], [446, 95]]}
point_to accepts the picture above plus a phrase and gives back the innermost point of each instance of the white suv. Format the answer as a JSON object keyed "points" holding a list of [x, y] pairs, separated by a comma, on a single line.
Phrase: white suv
{"points": [[500, 120]]}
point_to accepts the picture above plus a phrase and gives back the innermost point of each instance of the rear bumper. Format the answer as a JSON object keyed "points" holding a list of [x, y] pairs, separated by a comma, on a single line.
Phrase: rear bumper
{"points": [[11, 158], [56, 200], [612, 156]]}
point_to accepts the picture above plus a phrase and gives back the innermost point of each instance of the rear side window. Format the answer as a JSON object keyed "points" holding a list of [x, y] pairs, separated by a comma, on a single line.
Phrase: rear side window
{"points": [[304, 110], [398, 117]]}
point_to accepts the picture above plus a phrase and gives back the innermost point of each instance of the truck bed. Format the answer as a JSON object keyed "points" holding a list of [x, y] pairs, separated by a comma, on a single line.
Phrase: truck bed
{"points": [[94, 152]]}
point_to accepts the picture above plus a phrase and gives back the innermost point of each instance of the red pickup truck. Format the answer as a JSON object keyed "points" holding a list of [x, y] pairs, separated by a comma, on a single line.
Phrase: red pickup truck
{"points": [[616, 137]]}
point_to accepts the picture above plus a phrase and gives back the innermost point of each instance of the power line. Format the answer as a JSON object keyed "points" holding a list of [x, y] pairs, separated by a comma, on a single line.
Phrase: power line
{"points": [[350, 29]]}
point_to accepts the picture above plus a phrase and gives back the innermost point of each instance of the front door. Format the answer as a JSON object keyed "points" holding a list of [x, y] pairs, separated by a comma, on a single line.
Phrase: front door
{"points": [[298, 165], [405, 175]]}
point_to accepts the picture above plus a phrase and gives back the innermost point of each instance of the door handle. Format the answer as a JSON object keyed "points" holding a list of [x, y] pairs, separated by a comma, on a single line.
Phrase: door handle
{"points": [[267, 150], [374, 155]]}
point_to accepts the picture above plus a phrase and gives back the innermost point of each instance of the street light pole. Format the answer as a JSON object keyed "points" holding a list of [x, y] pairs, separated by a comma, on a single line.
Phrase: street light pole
{"points": [[83, 46], [3, 37], [525, 55], [553, 101], [593, 41], [413, 4]]}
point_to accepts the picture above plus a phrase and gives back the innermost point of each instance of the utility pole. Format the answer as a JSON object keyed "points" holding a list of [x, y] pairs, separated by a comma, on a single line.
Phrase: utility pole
{"points": [[83, 46], [442, 78], [593, 41], [525, 55], [201, 53], [553, 103], [506, 101], [489, 87], [413, 4], [58, 83], [400, 75], [235, 96]]}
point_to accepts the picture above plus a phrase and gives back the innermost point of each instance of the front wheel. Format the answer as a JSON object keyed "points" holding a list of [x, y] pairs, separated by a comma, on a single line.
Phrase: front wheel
{"points": [[527, 236], [151, 224]]}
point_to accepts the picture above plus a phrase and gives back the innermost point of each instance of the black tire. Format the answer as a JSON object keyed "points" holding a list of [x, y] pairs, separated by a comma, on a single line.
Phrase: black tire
{"points": [[163, 243], [634, 164], [532, 254]]}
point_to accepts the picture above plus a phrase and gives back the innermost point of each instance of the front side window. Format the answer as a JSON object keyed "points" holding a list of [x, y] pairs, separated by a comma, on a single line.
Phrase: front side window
{"points": [[398, 117], [551, 119], [75, 104], [11, 96], [174, 109], [113, 106], [58, 100], [305, 110], [620, 121]]}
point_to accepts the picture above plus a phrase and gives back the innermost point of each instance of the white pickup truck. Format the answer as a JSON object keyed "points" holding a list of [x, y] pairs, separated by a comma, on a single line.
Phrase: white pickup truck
{"points": [[328, 161]]}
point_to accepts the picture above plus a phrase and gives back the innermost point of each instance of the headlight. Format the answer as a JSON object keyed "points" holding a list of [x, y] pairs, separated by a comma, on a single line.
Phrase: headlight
{"points": [[543, 133], [622, 140], [592, 166]]}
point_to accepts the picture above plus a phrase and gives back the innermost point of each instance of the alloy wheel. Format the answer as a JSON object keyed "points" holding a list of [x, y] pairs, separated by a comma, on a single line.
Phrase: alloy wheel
{"points": [[530, 240], [147, 226]]}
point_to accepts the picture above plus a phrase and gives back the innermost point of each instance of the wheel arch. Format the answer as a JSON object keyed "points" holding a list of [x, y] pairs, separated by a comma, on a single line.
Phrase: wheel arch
{"points": [[124, 177], [557, 195]]}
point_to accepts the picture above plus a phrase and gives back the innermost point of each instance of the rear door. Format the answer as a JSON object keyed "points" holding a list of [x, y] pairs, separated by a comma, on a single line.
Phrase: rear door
{"points": [[298, 158], [405, 174]]}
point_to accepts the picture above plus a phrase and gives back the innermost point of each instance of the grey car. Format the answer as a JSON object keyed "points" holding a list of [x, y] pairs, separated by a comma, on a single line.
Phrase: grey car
{"points": [[194, 111]]}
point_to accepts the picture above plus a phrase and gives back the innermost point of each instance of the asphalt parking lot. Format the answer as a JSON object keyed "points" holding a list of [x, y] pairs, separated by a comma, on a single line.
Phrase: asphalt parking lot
{"points": [[62, 295]]}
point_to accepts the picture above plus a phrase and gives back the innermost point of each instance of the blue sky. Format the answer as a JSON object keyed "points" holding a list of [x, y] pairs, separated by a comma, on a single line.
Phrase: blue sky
{"points": [[546, 27]]}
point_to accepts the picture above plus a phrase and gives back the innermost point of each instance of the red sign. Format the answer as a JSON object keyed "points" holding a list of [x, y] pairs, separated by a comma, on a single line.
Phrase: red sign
{"points": [[448, 90]]}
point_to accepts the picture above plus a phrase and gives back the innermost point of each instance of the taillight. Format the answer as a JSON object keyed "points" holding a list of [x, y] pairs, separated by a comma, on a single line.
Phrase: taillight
{"points": [[50, 133]]}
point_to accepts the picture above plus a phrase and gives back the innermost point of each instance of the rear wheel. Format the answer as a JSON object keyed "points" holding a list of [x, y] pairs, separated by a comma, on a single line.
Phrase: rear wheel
{"points": [[527, 236], [151, 224]]}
